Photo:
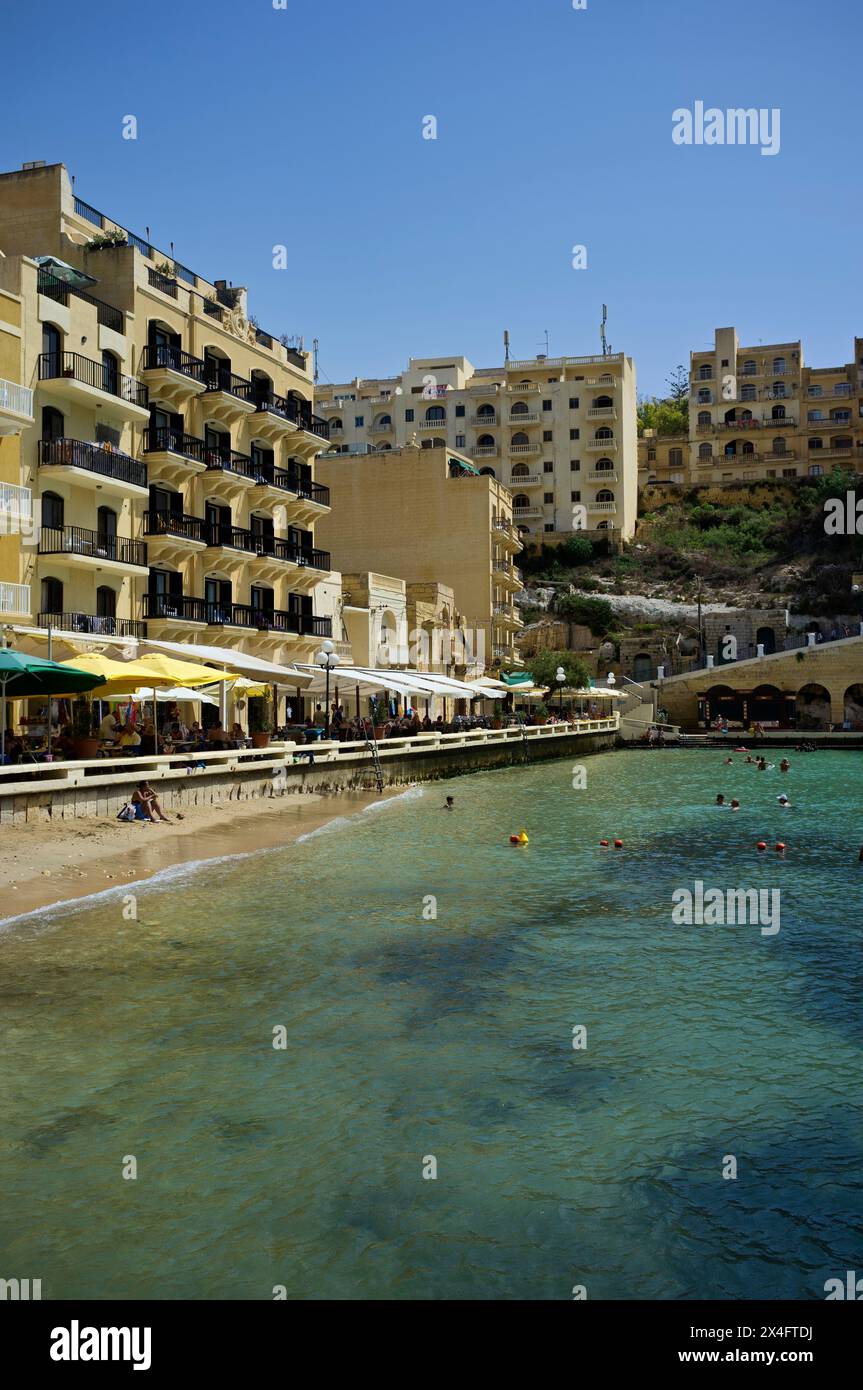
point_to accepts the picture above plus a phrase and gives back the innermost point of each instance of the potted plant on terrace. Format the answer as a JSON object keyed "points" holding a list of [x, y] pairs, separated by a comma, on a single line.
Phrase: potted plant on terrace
{"points": [[261, 721], [84, 742], [497, 717], [378, 711]]}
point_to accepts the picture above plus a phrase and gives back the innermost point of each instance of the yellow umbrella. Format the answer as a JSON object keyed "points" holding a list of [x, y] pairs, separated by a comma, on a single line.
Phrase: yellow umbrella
{"points": [[125, 677], [244, 686]]}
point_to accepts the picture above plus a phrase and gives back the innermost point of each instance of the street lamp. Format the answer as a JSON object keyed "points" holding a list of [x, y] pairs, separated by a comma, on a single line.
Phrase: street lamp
{"points": [[560, 677], [328, 661]]}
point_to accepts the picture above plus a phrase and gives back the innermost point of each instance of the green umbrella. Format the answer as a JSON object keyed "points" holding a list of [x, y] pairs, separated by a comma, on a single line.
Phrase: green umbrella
{"points": [[33, 675]]}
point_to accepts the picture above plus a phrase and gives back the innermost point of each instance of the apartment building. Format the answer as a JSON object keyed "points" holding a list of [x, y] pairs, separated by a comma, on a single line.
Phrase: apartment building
{"points": [[171, 455], [16, 415], [559, 432], [663, 458], [760, 413], [419, 513]]}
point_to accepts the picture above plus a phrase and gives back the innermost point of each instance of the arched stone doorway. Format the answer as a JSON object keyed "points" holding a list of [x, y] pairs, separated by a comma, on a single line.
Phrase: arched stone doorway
{"points": [[813, 707]]}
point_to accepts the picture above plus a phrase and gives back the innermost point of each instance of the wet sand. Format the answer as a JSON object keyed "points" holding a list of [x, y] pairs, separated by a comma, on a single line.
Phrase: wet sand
{"points": [[50, 862]]}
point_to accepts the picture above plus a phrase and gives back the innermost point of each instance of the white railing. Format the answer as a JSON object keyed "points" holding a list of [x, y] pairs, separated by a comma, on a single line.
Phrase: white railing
{"points": [[122, 774], [517, 480], [485, 451], [538, 363], [481, 422], [524, 417], [520, 386], [16, 399], [432, 425], [602, 506], [524, 449], [608, 475], [15, 599], [602, 412], [601, 446], [16, 507]]}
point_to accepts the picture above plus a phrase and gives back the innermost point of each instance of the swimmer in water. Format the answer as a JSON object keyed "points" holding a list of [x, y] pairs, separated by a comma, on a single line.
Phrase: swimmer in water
{"points": [[735, 804], [720, 800], [449, 804], [749, 759], [784, 802], [728, 760], [784, 765]]}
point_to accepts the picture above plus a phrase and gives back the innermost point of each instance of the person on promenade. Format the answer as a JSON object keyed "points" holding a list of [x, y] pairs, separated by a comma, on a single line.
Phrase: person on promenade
{"points": [[145, 801]]}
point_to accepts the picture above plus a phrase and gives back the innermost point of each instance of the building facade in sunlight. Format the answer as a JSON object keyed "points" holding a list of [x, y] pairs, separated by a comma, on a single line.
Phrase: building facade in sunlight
{"points": [[559, 432], [171, 451]]}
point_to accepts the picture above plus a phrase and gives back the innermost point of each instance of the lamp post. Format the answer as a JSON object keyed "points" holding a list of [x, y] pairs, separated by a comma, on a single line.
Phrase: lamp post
{"points": [[560, 677], [328, 661]]}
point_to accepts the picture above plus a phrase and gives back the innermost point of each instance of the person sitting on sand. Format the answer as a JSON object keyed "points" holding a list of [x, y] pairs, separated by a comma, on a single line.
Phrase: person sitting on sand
{"points": [[145, 801]]}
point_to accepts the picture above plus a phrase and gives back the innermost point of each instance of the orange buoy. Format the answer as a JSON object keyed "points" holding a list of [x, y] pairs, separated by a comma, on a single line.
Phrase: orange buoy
{"points": [[618, 844], [761, 845], [779, 846], [603, 844]]}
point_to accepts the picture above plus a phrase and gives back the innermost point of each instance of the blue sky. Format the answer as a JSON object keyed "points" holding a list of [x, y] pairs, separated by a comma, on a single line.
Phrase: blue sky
{"points": [[303, 127]]}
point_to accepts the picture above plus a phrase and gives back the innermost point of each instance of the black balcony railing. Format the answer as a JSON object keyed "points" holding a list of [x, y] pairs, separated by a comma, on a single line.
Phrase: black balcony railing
{"points": [[232, 537], [59, 291], [237, 615], [227, 460], [92, 624], [162, 440], [190, 528], [76, 453], [178, 606], [165, 283], [219, 379], [317, 627], [77, 540], [163, 356], [71, 364]]}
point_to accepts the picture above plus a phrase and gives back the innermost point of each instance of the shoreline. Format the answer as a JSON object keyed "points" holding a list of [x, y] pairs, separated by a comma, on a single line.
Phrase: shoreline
{"points": [[53, 863]]}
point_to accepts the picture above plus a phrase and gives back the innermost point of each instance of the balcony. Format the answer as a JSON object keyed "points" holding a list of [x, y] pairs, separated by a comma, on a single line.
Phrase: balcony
{"points": [[527, 513], [607, 507], [484, 422], [601, 446], [609, 475], [598, 383], [105, 470], [505, 534], [174, 532], [228, 396], [505, 615], [59, 291], [16, 407], [517, 480], [165, 284], [175, 453], [82, 381], [842, 388], [439, 425], [602, 412], [176, 608], [524, 417], [378, 429], [833, 422], [14, 600], [286, 414], [485, 451], [525, 449], [87, 549], [521, 388], [92, 625], [779, 457], [16, 510], [815, 455], [173, 372], [229, 468]]}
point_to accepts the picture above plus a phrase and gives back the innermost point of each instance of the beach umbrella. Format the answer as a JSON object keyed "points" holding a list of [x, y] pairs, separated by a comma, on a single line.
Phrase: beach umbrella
{"points": [[124, 677], [176, 692], [33, 675]]}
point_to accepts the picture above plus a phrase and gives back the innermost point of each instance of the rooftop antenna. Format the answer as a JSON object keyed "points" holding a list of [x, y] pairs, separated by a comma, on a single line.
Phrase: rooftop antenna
{"points": [[315, 346], [546, 342], [606, 346], [506, 345]]}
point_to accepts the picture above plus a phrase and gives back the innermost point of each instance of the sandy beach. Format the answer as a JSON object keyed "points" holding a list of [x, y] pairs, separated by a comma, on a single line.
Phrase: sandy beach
{"points": [[51, 862]]}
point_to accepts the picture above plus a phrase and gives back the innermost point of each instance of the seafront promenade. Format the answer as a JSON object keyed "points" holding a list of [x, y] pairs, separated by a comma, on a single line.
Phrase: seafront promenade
{"points": [[94, 787]]}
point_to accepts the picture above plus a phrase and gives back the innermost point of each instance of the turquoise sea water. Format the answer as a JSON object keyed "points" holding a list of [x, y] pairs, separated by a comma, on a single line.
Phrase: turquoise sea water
{"points": [[452, 1038]]}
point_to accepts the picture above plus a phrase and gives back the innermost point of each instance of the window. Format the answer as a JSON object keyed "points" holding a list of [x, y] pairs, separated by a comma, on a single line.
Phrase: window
{"points": [[705, 372], [747, 393], [816, 443], [52, 423], [549, 526], [435, 413], [779, 444], [675, 457], [651, 456], [574, 434], [573, 402], [359, 421], [705, 451], [789, 472], [52, 346], [547, 405], [110, 373], [704, 396], [459, 410], [575, 497], [574, 465], [725, 362], [778, 366], [52, 511], [749, 368], [547, 436], [460, 441], [704, 417], [816, 390], [548, 497], [815, 470], [52, 596], [548, 466], [409, 415], [106, 602]]}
